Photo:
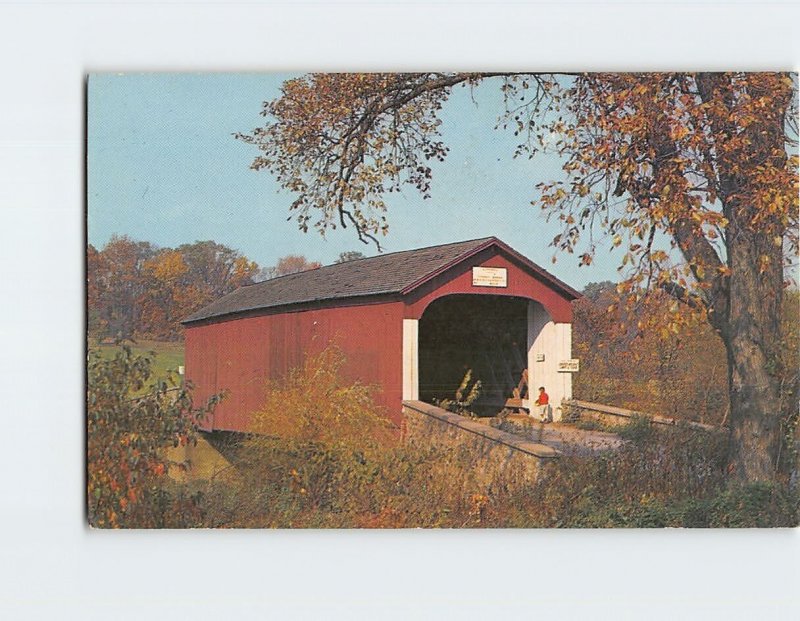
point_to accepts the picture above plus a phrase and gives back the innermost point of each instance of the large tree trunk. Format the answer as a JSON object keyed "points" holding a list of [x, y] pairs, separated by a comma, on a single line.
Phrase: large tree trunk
{"points": [[752, 339], [750, 320]]}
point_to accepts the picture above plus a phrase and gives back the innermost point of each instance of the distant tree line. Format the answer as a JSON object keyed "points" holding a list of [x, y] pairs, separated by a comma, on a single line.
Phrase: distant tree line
{"points": [[293, 263], [290, 264], [136, 289]]}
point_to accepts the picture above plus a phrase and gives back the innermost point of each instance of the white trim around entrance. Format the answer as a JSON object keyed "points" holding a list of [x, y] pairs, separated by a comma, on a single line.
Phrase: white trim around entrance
{"points": [[410, 359]]}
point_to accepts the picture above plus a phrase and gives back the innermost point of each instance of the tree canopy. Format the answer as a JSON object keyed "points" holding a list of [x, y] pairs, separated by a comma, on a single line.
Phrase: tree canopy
{"points": [[137, 289]]}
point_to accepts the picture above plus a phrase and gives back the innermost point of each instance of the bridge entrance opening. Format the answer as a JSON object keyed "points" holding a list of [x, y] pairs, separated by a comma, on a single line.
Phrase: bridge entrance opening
{"points": [[483, 335]]}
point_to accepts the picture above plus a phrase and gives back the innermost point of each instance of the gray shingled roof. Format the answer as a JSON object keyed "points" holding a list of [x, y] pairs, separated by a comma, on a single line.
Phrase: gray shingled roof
{"points": [[385, 274]]}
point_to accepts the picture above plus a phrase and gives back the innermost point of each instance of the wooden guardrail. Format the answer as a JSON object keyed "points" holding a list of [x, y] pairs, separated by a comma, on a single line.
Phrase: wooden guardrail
{"points": [[466, 425], [628, 414]]}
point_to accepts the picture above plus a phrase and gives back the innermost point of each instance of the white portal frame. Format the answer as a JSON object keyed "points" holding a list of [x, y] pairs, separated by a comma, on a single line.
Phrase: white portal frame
{"points": [[410, 359], [548, 343]]}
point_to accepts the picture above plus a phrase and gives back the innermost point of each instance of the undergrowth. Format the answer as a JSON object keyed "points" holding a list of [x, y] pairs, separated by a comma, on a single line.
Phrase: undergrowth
{"points": [[322, 456], [324, 459]]}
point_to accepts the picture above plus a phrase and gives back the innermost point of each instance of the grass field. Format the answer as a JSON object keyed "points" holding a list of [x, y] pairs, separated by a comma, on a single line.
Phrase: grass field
{"points": [[168, 356]]}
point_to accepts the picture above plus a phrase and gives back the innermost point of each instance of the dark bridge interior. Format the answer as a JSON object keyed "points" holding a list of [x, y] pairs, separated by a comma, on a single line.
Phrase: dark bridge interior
{"points": [[483, 333]]}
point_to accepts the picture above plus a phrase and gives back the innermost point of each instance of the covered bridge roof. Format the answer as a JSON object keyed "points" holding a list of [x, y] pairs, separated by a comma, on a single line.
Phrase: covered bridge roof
{"points": [[393, 273]]}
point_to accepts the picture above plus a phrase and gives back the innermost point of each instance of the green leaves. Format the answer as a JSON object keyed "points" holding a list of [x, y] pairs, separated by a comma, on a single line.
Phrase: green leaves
{"points": [[126, 439]]}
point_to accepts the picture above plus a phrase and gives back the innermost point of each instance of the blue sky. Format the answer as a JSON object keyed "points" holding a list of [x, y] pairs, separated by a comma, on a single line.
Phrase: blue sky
{"points": [[164, 167]]}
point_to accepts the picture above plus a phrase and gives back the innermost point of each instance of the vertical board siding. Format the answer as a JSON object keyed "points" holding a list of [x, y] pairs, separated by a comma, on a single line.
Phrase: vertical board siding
{"points": [[240, 355], [554, 340], [564, 331]]}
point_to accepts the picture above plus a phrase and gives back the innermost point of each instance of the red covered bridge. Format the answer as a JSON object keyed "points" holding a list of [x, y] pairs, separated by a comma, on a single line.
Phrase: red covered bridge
{"points": [[411, 323]]}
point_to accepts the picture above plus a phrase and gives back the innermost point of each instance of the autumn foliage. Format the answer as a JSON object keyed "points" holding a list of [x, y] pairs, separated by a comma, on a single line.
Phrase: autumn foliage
{"points": [[339, 141], [314, 403], [632, 359], [323, 456], [290, 264], [136, 289], [127, 441]]}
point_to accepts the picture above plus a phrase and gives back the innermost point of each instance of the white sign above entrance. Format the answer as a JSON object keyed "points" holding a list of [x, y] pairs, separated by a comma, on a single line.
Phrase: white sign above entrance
{"points": [[569, 366], [489, 277]]}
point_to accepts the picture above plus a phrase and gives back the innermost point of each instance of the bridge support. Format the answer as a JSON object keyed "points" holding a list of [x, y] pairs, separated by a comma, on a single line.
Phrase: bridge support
{"points": [[548, 343]]}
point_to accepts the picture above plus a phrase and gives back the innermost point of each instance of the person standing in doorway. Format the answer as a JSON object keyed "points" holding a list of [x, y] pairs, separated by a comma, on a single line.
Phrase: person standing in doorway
{"points": [[543, 404]]}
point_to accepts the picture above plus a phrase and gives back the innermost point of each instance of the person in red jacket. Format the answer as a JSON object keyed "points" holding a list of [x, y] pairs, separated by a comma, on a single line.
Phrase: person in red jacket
{"points": [[543, 403]]}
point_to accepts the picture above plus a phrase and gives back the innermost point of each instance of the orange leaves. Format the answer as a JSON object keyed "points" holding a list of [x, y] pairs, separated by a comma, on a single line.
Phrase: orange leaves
{"points": [[314, 403], [127, 438], [478, 506], [291, 264], [681, 149], [679, 132], [653, 158], [243, 270], [136, 289], [341, 141], [700, 272], [167, 266]]}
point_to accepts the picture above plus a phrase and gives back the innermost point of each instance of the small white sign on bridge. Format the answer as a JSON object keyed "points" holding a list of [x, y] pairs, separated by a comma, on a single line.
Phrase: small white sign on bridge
{"points": [[489, 277], [569, 366]]}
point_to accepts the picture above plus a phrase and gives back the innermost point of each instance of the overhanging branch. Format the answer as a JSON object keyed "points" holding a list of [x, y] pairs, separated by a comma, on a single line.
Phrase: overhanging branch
{"points": [[681, 294]]}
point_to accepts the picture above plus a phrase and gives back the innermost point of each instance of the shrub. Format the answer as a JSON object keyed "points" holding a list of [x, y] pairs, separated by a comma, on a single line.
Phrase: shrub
{"points": [[466, 395], [755, 505], [323, 457], [638, 430], [127, 438], [315, 450], [314, 403]]}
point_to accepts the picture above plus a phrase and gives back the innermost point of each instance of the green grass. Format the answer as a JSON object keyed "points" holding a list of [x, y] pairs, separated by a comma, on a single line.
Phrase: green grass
{"points": [[168, 356]]}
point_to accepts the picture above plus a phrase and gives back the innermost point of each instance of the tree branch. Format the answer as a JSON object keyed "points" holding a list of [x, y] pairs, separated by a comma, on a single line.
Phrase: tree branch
{"points": [[681, 294]]}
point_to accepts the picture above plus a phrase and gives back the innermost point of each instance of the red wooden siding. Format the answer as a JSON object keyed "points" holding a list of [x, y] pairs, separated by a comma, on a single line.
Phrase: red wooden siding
{"points": [[239, 354]]}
